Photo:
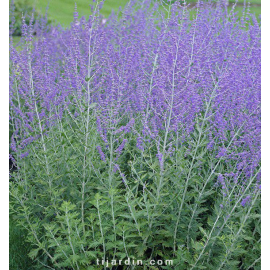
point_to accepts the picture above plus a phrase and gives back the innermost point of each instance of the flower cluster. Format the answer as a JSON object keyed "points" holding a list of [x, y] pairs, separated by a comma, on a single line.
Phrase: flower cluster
{"points": [[165, 76]]}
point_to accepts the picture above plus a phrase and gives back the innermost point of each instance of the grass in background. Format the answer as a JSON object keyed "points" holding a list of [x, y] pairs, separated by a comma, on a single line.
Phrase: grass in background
{"points": [[62, 10]]}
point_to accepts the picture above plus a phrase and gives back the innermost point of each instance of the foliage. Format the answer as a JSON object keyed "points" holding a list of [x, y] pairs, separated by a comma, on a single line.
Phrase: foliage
{"points": [[139, 137], [19, 9], [18, 248]]}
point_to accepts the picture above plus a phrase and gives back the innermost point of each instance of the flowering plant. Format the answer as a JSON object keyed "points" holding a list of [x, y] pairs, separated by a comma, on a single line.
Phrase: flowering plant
{"points": [[139, 137]]}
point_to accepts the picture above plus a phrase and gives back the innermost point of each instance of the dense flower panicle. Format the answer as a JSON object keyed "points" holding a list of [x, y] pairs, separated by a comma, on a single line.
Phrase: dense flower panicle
{"points": [[155, 78], [121, 147], [102, 155], [246, 201], [126, 128], [161, 160], [23, 155], [139, 143]]}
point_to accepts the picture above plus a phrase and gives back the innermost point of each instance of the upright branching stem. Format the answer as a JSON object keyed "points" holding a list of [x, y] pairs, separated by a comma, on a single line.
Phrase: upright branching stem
{"points": [[38, 118], [193, 161], [69, 235], [155, 63], [89, 78], [225, 222], [228, 252], [101, 230], [210, 176]]}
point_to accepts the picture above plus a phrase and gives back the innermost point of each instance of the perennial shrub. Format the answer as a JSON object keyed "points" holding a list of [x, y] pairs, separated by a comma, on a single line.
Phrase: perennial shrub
{"points": [[139, 137]]}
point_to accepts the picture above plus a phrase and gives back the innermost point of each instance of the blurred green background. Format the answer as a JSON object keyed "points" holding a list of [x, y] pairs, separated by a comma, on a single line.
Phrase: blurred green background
{"points": [[62, 10]]}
